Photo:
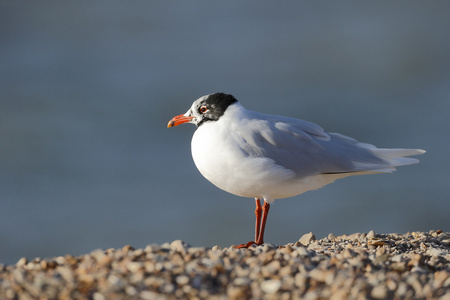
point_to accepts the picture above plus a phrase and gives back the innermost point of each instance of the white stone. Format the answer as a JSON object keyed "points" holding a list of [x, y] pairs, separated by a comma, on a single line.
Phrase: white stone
{"points": [[271, 286]]}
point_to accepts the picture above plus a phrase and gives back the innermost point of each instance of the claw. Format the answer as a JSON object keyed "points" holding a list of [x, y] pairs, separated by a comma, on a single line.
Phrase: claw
{"points": [[241, 246]]}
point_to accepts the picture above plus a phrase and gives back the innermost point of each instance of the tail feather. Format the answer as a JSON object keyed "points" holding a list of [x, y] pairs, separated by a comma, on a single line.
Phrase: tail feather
{"points": [[396, 152], [369, 159], [396, 157], [390, 158]]}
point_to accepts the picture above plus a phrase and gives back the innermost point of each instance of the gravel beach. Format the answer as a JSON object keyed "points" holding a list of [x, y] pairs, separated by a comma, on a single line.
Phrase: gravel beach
{"points": [[358, 266]]}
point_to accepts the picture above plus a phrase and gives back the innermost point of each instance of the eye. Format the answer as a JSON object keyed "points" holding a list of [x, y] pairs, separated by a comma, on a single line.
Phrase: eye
{"points": [[203, 109]]}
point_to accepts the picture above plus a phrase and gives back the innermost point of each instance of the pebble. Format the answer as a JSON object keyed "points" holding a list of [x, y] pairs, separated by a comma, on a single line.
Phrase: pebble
{"points": [[271, 286], [179, 246], [379, 292], [370, 235], [331, 237], [414, 265], [22, 262], [306, 239]]}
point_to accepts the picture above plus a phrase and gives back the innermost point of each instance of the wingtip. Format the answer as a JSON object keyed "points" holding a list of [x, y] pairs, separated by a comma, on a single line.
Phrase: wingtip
{"points": [[421, 151]]}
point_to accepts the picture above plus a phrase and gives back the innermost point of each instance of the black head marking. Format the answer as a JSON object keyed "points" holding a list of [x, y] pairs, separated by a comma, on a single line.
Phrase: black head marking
{"points": [[215, 104]]}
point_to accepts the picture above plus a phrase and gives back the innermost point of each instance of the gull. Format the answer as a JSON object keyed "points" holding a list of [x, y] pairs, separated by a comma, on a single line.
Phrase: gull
{"points": [[268, 157]]}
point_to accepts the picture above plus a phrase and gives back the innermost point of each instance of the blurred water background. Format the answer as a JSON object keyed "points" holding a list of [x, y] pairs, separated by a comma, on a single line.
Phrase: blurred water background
{"points": [[87, 89]]}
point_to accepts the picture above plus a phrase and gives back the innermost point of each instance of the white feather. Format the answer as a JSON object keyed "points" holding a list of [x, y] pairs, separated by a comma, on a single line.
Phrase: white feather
{"points": [[263, 156]]}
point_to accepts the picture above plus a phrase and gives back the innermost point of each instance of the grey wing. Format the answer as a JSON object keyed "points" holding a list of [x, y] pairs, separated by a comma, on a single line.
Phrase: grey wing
{"points": [[307, 149]]}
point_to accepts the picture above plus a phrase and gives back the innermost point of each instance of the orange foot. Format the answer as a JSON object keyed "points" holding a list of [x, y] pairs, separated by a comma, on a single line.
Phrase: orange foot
{"points": [[259, 225], [241, 246]]}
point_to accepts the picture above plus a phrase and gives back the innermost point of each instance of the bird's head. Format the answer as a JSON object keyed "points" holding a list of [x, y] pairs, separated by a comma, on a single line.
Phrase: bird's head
{"points": [[207, 108]]}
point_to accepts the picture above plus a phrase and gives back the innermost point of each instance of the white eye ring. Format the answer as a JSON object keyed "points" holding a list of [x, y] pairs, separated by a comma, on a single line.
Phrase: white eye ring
{"points": [[203, 109]]}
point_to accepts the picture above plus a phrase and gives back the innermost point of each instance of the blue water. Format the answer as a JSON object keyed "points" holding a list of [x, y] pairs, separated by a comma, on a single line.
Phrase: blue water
{"points": [[87, 89]]}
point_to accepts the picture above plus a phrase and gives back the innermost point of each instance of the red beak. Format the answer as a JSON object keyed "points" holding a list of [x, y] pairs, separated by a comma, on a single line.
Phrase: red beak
{"points": [[177, 120]]}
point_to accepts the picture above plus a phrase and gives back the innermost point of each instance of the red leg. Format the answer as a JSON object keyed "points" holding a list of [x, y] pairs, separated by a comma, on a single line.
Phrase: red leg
{"points": [[258, 211], [265, 210], [259, 225]]}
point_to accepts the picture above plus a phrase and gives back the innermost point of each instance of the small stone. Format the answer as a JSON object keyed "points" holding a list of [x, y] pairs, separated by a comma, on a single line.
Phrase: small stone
{"points": [[98, 296], [381, 251], [48, 264], [138, 253], [379, 292], [306, 239], [153, 248], [435, 252], [135, 266], [446, 241], [377, 243], [446, 296], [10, 294], [113, 280], [301, 251], [300, 280], [236, 292], [244, 281], [339, 295], [331, 237], [66, 273], [179, 246], [271, 286], [402, 289], [267, 247], [397, 258], [182, 279], [440, 277], [165, 245], [130, 291], [354, 237], [298, 244], [370, 235], [168, 288], [322, 276], [61, 260], [148, 295], [271, 268], [391, 285], [22, 262], [398, 266], [287, 271], [416, 260], [195, 250], [127, 248], [287, 249], [18, 275]]}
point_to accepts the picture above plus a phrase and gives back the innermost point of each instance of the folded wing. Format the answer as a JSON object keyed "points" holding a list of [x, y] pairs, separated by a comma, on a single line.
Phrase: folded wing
{"points": [[308, 150]]}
